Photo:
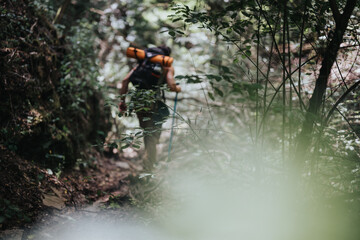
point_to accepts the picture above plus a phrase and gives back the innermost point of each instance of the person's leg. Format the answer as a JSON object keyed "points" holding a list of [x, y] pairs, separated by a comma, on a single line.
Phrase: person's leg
{"points": [[150, 140], [152, 134]]}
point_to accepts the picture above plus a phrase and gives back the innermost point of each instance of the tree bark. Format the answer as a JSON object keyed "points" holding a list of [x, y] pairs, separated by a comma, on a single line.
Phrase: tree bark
{"points": [[304, 139]]}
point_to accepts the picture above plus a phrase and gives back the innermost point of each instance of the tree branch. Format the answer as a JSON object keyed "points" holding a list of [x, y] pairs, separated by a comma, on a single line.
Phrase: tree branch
{"points": [[349, 8], [335, 10], [341, 99], [304, 139], [348, 122]]}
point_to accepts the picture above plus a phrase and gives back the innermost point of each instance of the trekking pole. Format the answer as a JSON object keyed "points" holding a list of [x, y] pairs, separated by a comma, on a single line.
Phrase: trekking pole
{"points": [[172, 127]]}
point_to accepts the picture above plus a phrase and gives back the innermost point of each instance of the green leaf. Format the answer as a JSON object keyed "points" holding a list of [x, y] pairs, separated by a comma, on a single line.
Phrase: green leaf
{"points": [[225, 69], [113, 145], [211, 96], [59, 156], [125, 146], [171, 33], [180, 77], [216, 77], [176, 19], [136, 146], [219, 92]]}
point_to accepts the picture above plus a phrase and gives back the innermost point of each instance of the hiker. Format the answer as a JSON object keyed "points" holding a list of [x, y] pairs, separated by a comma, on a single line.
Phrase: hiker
{"points": [[150, 76]]}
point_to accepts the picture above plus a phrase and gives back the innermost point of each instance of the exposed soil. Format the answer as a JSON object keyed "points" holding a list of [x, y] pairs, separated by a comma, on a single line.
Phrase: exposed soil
{"points": [[31, 194]]}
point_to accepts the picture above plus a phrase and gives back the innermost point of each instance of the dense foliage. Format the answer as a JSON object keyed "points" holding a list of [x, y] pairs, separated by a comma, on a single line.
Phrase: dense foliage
{"points": [[52, 108], [50, 100], [268, 86]]}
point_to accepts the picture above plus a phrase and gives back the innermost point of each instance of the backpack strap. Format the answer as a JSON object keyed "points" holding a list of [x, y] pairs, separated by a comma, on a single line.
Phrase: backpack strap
{"points": [[163, 60], [135, 52]]}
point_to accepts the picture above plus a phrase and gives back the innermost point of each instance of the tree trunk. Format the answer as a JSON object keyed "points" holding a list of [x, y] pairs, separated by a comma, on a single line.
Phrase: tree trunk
{"points": [[304, 139]]}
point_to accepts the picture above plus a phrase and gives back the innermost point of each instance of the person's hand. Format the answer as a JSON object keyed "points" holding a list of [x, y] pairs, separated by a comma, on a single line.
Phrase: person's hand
{"points": [[122, 107], [178, 88]]}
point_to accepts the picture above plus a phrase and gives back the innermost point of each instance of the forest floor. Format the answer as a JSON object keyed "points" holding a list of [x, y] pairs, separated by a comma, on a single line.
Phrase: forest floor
{"points": [[98, 191]]}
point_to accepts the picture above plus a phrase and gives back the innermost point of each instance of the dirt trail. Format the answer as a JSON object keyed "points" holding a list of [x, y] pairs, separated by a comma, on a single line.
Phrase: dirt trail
{"points": [[99, 191]]}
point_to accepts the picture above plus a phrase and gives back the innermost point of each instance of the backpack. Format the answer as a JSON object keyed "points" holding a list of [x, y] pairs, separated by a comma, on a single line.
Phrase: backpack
{"points": [[147, 74]]}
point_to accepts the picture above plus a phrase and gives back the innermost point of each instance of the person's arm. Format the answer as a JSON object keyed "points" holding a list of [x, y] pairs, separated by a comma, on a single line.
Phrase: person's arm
{"points": [[169, 75], [124, 89]]}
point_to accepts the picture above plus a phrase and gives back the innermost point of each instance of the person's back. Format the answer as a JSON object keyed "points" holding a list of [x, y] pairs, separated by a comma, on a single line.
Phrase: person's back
{"points": [[149, 76]]}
